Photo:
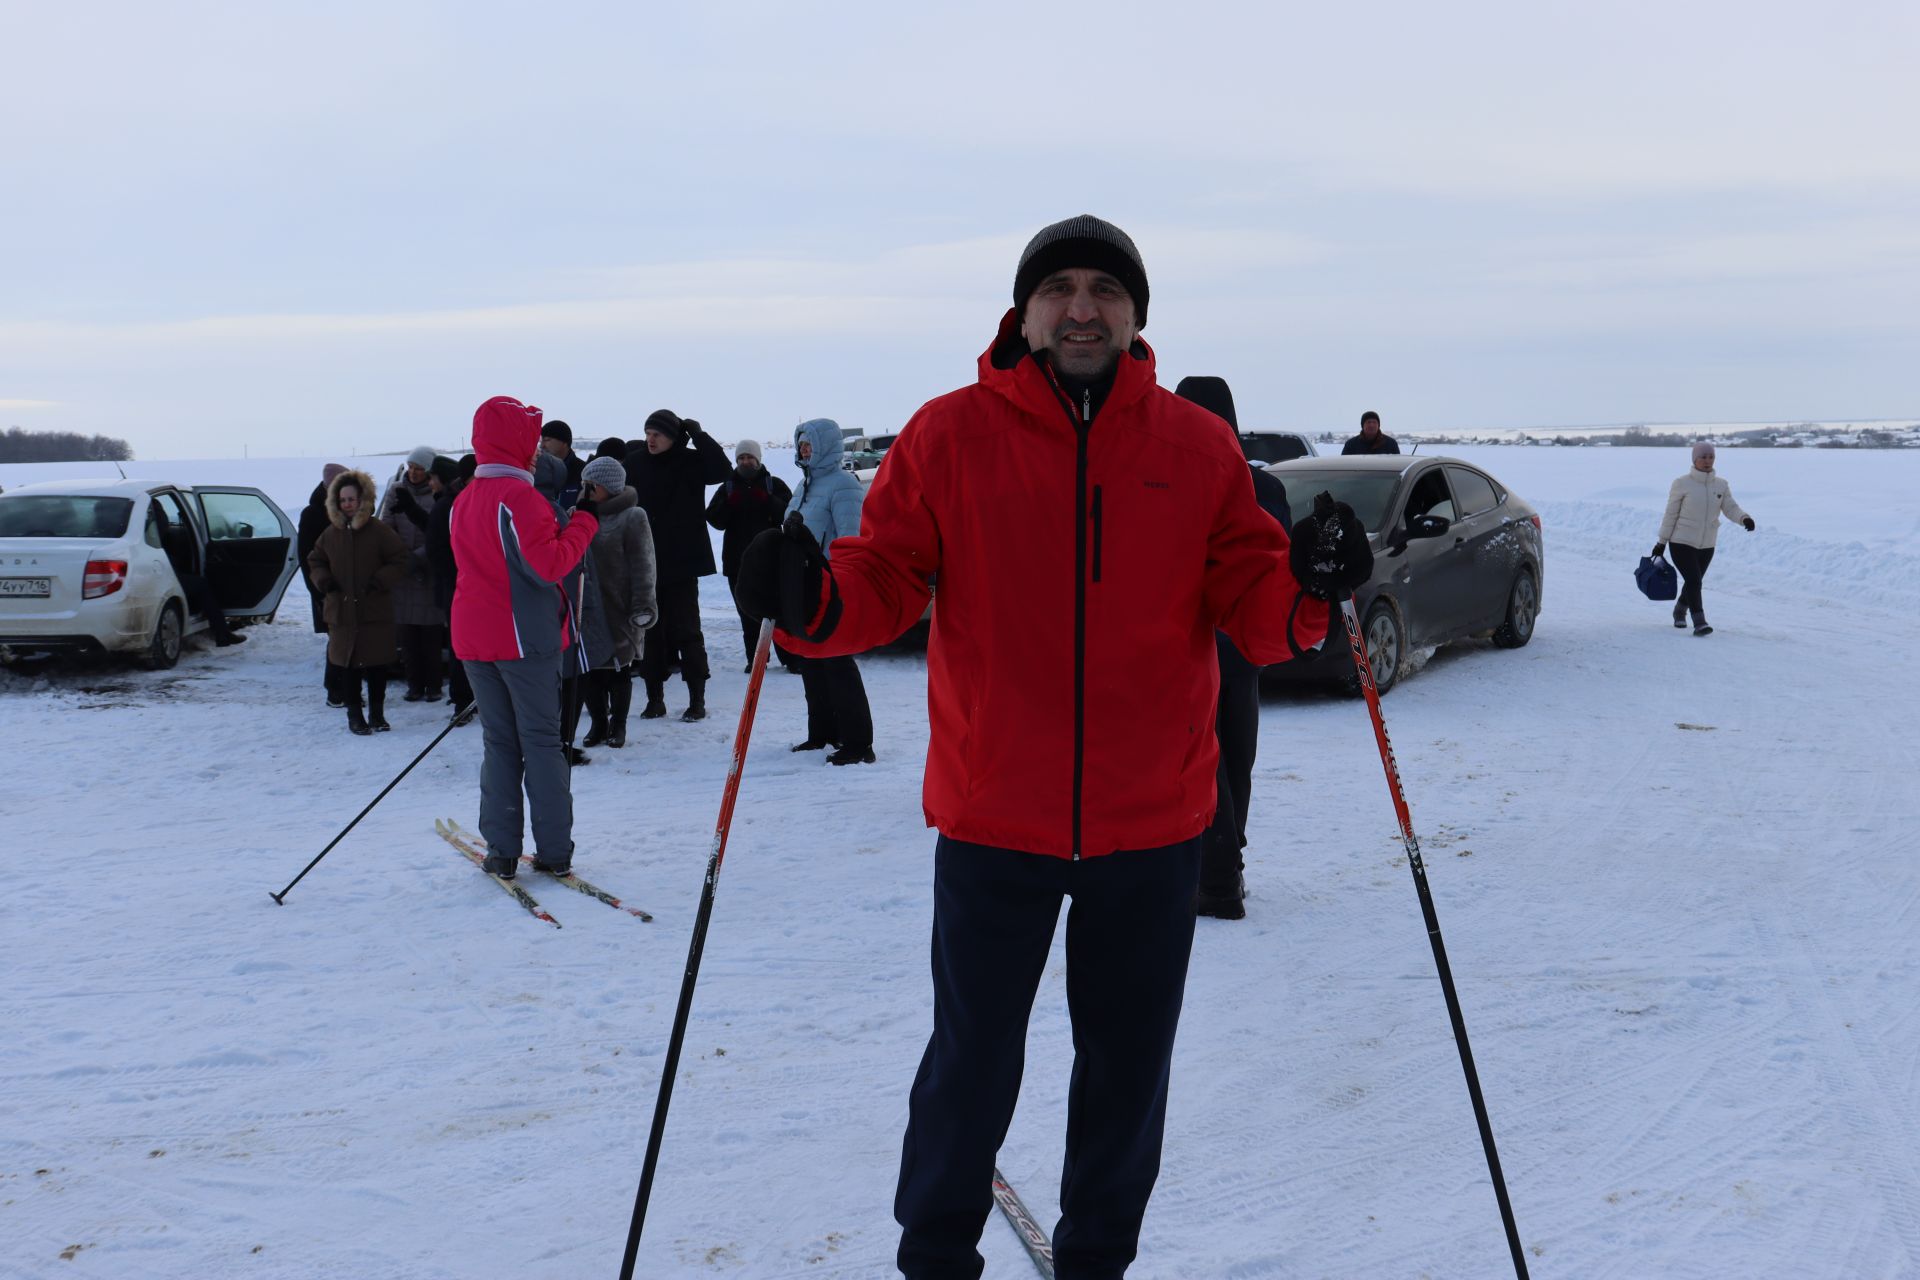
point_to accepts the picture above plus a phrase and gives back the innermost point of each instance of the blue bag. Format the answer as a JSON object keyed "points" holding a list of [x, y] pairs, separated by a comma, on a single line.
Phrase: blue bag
{"points": [[1657, 579]]}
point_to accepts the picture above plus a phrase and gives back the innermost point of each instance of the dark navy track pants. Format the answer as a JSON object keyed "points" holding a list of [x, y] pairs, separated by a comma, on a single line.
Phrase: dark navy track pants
{"points": [[1129, 933]]}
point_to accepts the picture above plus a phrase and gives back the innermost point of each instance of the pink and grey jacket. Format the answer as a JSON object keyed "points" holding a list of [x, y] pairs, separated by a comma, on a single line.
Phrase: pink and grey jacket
{"points": [[511, 550]]}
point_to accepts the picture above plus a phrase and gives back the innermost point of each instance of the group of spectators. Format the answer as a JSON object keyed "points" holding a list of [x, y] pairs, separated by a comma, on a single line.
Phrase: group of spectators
{"points": [[382, 572]]}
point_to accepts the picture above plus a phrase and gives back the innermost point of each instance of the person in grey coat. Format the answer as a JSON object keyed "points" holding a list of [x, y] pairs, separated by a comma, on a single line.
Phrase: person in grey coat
{"points": [[420, 625], [829, 503], [624, 605]]}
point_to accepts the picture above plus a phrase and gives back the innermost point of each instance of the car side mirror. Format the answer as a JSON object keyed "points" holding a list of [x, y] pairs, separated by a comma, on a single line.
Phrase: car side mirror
{"points": [[242, 530], [1427, 526]]}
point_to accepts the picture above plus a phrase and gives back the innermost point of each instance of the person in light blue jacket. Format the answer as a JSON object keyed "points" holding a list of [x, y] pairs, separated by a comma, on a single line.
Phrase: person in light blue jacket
{"points": [[829, 502]]}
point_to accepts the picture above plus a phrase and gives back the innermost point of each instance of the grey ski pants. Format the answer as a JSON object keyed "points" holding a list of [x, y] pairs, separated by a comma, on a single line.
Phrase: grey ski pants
{"points": [[520, 724]]}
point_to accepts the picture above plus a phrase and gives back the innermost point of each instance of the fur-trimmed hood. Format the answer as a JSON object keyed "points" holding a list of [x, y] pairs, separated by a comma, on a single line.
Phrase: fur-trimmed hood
{"points": [[367, 497]]}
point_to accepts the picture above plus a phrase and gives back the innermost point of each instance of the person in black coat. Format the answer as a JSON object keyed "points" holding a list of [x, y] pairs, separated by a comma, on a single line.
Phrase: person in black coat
{"points": [[671, 474], [448, 479], [1371, 438], [313, 523], [1223, 885], [556, 438], [751, 501]]}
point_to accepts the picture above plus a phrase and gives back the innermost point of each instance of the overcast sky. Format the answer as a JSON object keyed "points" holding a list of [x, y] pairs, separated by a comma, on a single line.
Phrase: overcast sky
{"points": [[309, 228]]}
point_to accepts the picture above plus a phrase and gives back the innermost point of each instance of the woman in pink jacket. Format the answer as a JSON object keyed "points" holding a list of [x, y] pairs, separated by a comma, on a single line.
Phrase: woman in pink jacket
{"points": [[512, 622]]}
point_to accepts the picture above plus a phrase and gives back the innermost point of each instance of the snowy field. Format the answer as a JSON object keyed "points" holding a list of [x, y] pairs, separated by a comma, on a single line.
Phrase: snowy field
{"points": [[1677, 877]]}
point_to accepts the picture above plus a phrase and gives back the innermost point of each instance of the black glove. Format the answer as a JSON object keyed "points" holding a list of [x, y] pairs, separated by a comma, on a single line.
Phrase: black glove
{"points": [[1749, 523], [587, 507], [781, 572], [1659, 549], [691, 427], [1330, 555], [405, 504]]}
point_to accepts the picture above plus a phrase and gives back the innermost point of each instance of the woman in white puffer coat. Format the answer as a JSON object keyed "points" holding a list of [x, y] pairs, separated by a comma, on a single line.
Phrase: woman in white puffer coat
{"points": [[1690, 527]]}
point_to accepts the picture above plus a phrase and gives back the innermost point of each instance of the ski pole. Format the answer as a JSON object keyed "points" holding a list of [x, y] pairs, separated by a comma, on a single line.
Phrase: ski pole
{"points": [[698, 945], [1419, 868], [466, 713]]}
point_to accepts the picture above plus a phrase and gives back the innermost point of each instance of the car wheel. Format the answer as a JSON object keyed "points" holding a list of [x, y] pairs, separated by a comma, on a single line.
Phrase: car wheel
{"points": [[1523, 606], [1386, 643], [164, 649]]}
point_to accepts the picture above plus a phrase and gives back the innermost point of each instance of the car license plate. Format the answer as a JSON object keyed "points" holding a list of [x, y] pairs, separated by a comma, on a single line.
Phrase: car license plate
{"points": [[26, 586]]}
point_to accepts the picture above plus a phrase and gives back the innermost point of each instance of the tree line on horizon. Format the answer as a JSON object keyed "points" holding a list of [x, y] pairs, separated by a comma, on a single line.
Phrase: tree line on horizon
{"points": [[17, 444]]}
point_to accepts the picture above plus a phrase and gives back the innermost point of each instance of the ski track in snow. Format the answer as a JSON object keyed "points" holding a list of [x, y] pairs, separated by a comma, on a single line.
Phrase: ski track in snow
{"points": [[1677, 879]]}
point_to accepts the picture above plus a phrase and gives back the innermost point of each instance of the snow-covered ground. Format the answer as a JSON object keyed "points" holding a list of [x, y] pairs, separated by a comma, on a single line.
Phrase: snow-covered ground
{"points": [[1678, 880]]}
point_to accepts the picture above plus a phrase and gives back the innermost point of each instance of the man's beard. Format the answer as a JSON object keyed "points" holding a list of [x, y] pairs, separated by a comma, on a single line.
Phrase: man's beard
{"points": [[1088, 362]]}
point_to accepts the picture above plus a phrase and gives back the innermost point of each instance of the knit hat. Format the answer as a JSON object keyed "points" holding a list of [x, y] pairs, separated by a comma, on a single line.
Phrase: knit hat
{"points": [[558, 430], [549, 476], [611, 447], [746, 449], [1085, 241], [609, 473], [468, 465], [1702, 449], [328, 472], [1211, 394], [446, 468], [667, 423], [422, 457]]}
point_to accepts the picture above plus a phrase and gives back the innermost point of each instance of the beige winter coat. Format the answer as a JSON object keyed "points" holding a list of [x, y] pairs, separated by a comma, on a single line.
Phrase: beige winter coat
{"points": [[1694, 505]]}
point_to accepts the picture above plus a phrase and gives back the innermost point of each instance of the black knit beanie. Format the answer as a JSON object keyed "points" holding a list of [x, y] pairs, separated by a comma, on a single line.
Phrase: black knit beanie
{"points": [[611, 447], [446, 468], [668, 424], [1085, 241], [1211, 394], [558, 430]]}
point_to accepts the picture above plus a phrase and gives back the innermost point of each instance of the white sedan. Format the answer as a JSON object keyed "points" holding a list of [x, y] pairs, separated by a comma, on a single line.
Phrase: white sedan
{"points": [[107, 565]]}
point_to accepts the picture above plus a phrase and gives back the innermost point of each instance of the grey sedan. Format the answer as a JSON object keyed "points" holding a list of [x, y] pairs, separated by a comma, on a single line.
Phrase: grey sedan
{"points": [[1456, 555]]}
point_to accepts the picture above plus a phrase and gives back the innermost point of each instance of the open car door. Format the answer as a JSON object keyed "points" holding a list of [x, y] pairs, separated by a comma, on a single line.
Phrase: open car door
{"points": [[250, 550]]}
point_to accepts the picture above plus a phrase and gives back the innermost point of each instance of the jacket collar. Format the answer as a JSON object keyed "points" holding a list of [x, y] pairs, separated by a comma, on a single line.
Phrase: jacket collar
{"points": [[614, 505], [1009, 367]]}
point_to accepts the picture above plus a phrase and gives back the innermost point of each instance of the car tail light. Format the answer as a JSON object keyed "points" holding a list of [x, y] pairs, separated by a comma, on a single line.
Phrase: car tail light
{"points": [[1536, 520], [104, 577]]}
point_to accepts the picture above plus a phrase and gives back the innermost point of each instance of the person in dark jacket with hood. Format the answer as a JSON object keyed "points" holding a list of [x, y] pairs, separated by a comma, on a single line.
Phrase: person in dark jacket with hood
{"points": [[1090, 531], [751, 501], [448, 479], [313, 523], [671, 474], [1236, 724]]}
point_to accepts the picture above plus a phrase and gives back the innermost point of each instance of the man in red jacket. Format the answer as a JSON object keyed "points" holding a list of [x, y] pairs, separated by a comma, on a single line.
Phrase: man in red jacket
{"points": [[1090, 531], [511, 624]]}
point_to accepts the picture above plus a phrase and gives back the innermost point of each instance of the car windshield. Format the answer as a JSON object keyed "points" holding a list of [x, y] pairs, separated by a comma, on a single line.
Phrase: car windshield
{"points": [[63, 516], [1265, 448], [1367, 492], [880, 444]]}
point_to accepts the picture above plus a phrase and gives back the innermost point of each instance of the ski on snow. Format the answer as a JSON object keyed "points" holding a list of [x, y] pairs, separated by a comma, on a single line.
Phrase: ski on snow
{"points": [[478, 859], [1038, 1246], [570, 880]]}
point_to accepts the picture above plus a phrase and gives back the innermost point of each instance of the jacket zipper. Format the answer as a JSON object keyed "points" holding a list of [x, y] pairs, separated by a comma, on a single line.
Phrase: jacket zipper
{"points": [[1082, 424]]}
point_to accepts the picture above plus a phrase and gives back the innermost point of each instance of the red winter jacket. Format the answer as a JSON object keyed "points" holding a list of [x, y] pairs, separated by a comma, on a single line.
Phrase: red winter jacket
{"points": [[509, 547], [1084, 569]]}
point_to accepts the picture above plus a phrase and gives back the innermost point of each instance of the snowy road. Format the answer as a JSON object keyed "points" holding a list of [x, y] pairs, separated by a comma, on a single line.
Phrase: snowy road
{"points": [[1677, 877]]}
